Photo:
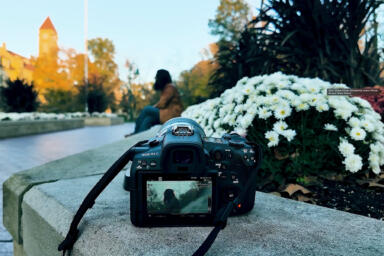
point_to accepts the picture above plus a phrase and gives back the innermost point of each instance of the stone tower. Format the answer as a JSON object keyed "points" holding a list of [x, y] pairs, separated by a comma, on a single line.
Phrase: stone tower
{"points": [[48, 48]]}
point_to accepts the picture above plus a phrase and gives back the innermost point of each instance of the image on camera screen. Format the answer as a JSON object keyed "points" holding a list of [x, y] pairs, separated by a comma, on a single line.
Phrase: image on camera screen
{"points": [[179, 196]]}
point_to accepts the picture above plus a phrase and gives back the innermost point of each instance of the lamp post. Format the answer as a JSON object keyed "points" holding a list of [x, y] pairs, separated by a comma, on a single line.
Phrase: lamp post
{"points": [[86, 54]]}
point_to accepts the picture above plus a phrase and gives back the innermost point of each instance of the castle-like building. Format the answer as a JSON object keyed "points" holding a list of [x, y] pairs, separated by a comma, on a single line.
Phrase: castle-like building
{"points": [[13, 65]]}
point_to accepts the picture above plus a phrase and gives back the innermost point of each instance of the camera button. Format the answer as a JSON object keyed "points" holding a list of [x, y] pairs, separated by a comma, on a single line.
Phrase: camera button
{"points": [[153, 143], [236, 144], [228, 153], [231, 195], [144, 163], [217, 155]]}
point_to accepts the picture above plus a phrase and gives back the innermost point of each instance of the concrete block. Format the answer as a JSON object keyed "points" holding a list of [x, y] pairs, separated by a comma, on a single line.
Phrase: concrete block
{"points": [[276, 226], [22, 128], [91, 162], [103, 121], [18, 249]]}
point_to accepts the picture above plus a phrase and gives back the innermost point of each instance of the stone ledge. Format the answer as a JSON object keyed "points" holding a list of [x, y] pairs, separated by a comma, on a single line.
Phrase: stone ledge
{"points": [[21, 128], [91, 162], [103, 121], [276, 226]]}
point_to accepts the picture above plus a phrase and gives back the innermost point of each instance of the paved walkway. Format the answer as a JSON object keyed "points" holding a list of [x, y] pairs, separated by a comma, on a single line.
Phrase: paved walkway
{"points": [[17, 154]]}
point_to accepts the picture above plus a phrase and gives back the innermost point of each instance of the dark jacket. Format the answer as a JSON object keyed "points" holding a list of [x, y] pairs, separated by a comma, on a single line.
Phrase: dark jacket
{"points": [[169, 104]]}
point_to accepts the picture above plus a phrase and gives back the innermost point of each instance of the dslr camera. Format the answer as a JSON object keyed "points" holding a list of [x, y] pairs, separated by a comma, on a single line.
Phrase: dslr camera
{"points": [[181, 177]]}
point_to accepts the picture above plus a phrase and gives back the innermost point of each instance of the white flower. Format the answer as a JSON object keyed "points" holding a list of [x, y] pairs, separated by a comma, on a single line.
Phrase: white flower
{"points": [[361, 102], [374, 162], [357, 133], [367, 125], [245, 121], [354, 122], [289, 134], [322, 107], [346, 148], [282, 112], [376, 169], [264, 113], [314, 99], [344, 113], [353, 163], [302, 106], [280, 126], [273, 138], [330, 127]]}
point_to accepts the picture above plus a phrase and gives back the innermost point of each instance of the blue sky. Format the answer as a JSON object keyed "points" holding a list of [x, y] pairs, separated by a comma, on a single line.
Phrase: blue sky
{"points": [[153, 34]]}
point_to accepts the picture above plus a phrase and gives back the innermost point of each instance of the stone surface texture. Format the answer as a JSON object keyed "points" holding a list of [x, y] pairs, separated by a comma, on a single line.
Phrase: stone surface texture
{"points": [[22, 128], [22, 153], [39, 205], [276, 226], [103, 121], [91, 162]]}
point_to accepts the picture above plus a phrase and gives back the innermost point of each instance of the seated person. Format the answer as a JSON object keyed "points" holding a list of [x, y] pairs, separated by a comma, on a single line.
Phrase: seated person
{"points": [[169, 105]]}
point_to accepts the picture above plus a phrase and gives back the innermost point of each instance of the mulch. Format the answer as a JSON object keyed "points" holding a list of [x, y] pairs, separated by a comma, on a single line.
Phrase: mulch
{"points": [[353, 198], [363, 197]]}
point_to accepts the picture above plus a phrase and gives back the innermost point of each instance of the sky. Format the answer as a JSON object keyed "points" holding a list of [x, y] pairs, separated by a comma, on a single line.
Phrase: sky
{"points": [[152, 34]]}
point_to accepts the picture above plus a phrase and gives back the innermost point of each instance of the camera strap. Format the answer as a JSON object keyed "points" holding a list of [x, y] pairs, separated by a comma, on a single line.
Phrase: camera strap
{"points": [[89, 200], [220, 221]]}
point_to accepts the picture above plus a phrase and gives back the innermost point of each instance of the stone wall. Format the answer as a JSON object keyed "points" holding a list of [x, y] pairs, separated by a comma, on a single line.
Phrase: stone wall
{"points": [[21, 128], [103, 121]]}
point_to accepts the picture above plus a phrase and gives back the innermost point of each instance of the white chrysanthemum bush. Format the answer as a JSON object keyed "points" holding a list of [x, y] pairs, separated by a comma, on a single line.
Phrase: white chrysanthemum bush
{"points": [[301, 129]]}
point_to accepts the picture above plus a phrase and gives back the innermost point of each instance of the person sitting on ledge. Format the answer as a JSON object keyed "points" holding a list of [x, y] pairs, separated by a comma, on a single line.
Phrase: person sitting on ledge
{"points": [[169, 105]]}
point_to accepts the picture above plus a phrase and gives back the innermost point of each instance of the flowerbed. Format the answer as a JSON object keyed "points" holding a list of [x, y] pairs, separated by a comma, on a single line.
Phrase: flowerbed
{"points": [[49, 116], [303, 131]]}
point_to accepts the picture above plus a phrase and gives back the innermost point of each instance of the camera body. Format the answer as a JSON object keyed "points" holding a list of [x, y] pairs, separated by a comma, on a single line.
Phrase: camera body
{"points": [[182, 178]]}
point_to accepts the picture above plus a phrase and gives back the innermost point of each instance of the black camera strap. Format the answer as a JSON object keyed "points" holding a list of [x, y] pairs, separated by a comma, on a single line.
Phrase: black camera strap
{"points": [[220, 221], [222, 216], [89, 200]]}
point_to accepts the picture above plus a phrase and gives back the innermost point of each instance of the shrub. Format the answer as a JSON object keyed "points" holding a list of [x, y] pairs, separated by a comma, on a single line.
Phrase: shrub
{"points": [[60, 101], [98, 98], [18, 96], [311, 38], [302, 131]]}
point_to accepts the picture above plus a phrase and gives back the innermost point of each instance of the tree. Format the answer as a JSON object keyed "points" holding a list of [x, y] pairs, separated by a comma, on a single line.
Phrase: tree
{"points": [[311, 38], [50, 73], [193, 83], [230, 19], [18, 96], [136, 95], [97, 97], [60, 101], [103, 54]]}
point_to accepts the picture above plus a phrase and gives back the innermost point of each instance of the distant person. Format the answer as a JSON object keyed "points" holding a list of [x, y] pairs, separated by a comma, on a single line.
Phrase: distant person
{"points": [[170, 201], [169, 105]]}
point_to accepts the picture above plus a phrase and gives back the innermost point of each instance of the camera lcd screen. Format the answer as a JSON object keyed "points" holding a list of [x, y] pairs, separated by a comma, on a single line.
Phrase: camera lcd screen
{"points": [[179, 197]]}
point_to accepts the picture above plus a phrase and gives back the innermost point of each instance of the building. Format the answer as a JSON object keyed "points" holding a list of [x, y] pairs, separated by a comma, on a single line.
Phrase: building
{"points": [[13, 65], [48, 48]]}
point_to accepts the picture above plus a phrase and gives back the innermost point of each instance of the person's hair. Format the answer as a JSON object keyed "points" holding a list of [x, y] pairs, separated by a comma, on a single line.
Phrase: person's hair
{"points": [[162, 79], [169, 195]]}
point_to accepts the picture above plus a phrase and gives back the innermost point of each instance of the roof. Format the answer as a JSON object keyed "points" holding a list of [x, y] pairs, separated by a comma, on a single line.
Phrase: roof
{"points": [[48, 25], [15, 54]]}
